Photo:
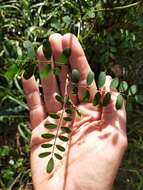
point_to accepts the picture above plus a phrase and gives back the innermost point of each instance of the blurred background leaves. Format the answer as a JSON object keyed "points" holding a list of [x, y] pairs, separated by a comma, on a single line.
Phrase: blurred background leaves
{"points": [[111, 33]]}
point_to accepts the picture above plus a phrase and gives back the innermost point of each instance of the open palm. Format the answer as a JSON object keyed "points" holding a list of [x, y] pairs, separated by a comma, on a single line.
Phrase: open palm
{"points": [[98, 138]]}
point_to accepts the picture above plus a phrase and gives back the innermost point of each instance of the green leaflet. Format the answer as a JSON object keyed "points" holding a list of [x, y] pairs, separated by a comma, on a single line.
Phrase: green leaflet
{"points": [[86, 96], [67, 118], [50, 165], [61, 148], [46, 145], [59, 98], [54, 115], [75, 76], [29, 71], [106, 99], [123, 86], [47, 49], [45, 71], [114, 84], [119, 102], [101, 79], [44, 154], [58, 156], [47, 136], [133, 90], [66, 129], [96, 99], [63, 138], [50, 126], [90, 78], [64, 56], [139, 99]]}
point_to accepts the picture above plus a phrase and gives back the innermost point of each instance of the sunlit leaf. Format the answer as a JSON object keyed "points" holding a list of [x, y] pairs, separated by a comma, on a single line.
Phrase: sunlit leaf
{"points": [[106, 99], [54, 115], [86, 96], [119, 102], [50, 126], [66, 129], [59, 157], [63, 138], [90, 78], [123, 86], [75, 76], [133, 90], [61, 148], [11, 72], [48, 136], [50, 165], [46, 145], [45, 71], [44, 154], [96, 99], [30, 49], [139, 99], [101, 79], [114, 84], [64, 56], [47, 49]]}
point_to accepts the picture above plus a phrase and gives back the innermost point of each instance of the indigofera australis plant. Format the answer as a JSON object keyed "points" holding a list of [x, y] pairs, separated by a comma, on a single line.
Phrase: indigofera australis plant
{"points": [[53, 149]]}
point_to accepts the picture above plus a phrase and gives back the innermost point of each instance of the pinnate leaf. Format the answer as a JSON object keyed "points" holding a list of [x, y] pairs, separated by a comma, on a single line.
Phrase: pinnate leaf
{"points": [[133, 90], [67, 118], [30, 49]]}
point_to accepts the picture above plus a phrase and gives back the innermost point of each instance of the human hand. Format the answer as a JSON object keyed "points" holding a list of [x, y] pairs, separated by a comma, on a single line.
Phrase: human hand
{"points": [[98, 139]]}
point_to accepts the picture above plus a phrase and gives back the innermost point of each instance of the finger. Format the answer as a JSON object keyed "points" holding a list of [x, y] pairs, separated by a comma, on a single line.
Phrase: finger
{"points": [[49, 84], [56, 43], [35, 103], [78, 61], [110, 115]]}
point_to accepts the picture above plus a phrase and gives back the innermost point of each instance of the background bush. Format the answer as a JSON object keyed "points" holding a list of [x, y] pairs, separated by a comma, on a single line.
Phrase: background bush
{"points": [[111, 33]]}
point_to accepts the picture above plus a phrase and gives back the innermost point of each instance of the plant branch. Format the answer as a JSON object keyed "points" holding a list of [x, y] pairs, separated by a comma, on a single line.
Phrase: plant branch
{"points": [[119, 7]]}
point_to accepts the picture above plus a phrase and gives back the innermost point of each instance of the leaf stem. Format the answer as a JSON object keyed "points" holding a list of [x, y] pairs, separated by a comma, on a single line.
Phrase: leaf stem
{"points": [[63, 110]]}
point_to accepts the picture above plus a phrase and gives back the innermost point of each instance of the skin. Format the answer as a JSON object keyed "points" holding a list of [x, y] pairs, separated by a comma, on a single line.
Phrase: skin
{"points": [[98, 139]]}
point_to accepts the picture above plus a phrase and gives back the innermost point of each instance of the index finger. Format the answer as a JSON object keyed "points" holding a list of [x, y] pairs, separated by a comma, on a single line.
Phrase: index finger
{"points": [[78, 61]]}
